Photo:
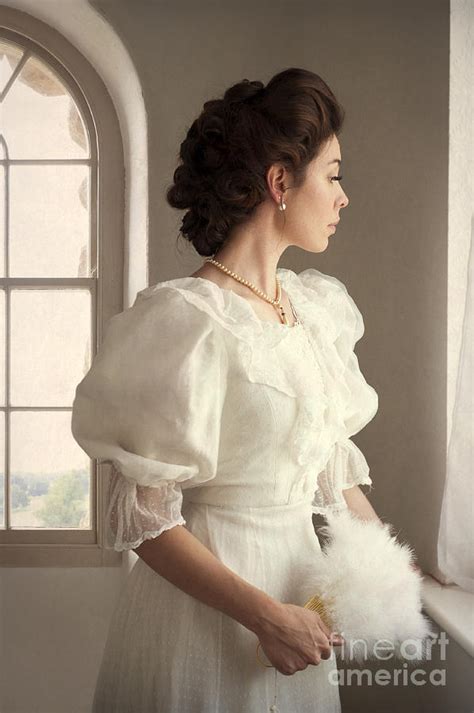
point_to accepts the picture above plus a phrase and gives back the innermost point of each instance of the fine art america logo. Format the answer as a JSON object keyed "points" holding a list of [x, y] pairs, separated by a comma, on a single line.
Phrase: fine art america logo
{"points": [[412, 652]]}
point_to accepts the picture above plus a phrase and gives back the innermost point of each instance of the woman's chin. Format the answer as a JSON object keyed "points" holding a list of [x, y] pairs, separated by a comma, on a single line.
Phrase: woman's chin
{"points": [[315, 245], [316, 250]]}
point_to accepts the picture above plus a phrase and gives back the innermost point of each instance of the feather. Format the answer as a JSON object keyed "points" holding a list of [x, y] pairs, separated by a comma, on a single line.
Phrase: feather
{"points": [[368, 591]]}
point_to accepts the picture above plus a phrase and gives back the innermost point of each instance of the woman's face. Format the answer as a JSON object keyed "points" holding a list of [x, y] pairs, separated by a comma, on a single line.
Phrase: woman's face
{"points": [[311, 208]]}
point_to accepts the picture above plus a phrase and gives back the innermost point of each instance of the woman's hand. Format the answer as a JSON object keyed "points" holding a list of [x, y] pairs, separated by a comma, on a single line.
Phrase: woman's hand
{"points": [[295, 638]]}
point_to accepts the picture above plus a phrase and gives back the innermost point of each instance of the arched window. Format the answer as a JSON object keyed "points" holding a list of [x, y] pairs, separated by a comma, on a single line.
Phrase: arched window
{"points": [[61, 266]]}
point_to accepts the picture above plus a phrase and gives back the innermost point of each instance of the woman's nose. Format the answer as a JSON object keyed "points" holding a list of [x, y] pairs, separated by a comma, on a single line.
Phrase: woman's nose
{"points": [[345, 201]]}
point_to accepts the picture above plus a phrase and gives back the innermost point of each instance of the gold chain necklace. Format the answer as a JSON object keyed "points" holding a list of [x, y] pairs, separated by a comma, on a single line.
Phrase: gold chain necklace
{"points": [[276, 302]]}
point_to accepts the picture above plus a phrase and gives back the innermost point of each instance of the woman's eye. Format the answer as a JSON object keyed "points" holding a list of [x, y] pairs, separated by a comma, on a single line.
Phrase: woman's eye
{"points": [[337, 178]]}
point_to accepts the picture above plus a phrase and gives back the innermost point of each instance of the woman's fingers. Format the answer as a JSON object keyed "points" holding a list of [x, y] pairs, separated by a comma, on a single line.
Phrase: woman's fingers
{"points": [[333, 636], [298, 638], [324, 627], [325, 652]]}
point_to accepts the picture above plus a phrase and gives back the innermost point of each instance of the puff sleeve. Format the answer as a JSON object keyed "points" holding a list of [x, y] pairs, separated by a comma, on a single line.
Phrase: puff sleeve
{"points": [[151, 404], [346, 465]]}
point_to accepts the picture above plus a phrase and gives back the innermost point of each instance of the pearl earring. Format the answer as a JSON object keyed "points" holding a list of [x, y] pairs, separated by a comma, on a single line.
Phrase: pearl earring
{"points": [[282, 205]]}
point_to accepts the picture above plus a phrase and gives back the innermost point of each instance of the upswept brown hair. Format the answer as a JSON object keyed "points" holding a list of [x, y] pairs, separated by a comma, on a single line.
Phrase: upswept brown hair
{"points": [[234, 141]]}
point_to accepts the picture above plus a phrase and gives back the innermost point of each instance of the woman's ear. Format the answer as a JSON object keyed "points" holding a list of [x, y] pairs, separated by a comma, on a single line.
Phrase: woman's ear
{"points": [[277, 181]]}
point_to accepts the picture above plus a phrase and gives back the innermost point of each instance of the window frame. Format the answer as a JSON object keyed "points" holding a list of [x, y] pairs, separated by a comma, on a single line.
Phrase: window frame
{"points": [[54, 547]]}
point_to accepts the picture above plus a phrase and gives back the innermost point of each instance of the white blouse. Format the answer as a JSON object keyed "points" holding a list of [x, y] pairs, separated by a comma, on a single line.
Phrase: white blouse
{"points": [[192, 397]]}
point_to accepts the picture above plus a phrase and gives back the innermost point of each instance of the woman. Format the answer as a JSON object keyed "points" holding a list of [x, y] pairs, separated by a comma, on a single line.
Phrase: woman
{"points": [[225, 401]]}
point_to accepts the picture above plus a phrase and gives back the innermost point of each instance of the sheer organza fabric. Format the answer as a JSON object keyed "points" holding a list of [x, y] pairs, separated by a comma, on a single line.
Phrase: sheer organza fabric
{"points": [[239, 430], [153, 401]]}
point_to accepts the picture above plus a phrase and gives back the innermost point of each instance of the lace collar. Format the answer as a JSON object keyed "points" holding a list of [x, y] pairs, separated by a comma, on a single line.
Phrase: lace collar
{"points": [[236, 314]]}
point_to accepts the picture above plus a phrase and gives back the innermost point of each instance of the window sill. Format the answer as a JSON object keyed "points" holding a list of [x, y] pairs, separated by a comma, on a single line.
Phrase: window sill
{"points": [[451, 608]]}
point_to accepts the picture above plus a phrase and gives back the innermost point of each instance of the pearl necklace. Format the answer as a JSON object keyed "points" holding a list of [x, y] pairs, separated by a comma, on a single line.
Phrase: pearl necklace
{"points": [[276, 302]]}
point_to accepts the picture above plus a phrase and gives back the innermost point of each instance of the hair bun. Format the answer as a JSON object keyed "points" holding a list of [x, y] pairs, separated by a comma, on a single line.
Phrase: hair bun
{"points": [[244, 91]]}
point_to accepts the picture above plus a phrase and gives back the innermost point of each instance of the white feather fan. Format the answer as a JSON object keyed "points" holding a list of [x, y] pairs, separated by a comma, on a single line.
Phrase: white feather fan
{"points": [[369, 591]]}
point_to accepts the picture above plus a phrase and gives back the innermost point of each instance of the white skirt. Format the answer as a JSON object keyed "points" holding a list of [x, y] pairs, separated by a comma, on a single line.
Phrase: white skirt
{"points": [[167, 652]]}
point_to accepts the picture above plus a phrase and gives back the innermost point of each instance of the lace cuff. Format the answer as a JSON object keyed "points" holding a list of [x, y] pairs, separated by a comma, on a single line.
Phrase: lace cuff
{"points": [[136, 512], [346, 467]]}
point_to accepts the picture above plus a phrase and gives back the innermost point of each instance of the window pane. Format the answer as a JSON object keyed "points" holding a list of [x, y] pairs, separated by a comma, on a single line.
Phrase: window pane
{"points": [[10, 55], [49, 221], [2, 469], [2, 348], [2, 219], [50, 480], [50, 345], [39, 118]]}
